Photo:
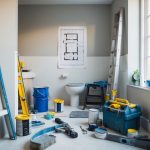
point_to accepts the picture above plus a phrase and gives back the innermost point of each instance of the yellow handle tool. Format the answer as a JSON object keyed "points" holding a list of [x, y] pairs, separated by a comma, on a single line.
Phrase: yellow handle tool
{"points": [[113, 93], [116, 106], [21, 90], [123, 102]]}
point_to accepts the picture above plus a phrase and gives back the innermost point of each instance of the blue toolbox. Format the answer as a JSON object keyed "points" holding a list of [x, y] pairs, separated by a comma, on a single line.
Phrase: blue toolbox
{"points": [[120, 115]]}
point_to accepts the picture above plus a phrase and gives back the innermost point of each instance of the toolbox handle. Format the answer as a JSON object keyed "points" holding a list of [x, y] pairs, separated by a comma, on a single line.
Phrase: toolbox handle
{"points": [[120, 100]]}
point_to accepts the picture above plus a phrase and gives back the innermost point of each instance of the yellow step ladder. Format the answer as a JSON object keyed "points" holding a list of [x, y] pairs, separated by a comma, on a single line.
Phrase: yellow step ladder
{"points": [[21, 89]]}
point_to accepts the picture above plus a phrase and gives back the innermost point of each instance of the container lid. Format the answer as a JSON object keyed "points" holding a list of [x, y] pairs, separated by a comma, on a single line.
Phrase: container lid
{"points": [[75, 84], [101, 130], [40, 87], [132, 131], [23, 117], [58, 101]]}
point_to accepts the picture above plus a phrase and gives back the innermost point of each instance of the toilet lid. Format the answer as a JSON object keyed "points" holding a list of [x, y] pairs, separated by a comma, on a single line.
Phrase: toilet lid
{"points": [[75, 84]]}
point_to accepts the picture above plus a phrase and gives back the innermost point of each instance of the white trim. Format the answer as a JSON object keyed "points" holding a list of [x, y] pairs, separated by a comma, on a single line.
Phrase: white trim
{"points": [[16, 82], [142, 59], [144, 38], [145, 43]]}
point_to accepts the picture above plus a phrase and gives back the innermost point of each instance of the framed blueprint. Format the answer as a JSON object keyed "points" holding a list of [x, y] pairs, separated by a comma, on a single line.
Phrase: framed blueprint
{"points": [[72, 47]]}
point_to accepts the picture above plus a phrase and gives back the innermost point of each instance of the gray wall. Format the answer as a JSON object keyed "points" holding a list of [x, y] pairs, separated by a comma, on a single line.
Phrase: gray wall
{"points": [[140, 96], [115, 8], [38, 27]]}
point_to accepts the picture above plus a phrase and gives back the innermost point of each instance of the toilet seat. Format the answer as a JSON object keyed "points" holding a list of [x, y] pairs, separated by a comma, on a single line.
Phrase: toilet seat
{"points": [[75, 84]]}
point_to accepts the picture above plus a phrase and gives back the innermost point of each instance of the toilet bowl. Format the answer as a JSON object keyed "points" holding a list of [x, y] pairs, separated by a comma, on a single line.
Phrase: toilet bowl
{"points": [[74, 90]]}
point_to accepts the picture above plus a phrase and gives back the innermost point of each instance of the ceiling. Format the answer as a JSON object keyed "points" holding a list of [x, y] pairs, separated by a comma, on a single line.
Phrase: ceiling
{"points": [[61, 2]]}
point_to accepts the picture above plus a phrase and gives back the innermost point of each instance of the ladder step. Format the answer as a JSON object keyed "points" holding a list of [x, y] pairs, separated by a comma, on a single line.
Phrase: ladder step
{"points": [[3, 112]]}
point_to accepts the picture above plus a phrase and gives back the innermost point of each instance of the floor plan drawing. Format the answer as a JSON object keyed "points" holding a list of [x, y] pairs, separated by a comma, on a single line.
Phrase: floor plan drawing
{"points": [[72, 47]]}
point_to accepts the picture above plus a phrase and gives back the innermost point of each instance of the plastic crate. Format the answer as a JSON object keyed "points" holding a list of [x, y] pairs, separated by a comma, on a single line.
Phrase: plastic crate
{"points": [[121, 120]]}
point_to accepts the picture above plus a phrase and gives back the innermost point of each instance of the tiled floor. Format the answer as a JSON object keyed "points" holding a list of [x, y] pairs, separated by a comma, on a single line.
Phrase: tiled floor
{"points": [[63, 142]]}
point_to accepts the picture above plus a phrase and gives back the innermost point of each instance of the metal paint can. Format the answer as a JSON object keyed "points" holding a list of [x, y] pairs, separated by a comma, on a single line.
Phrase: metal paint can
{"points": [[23, 125], [93, 116], [59, 105], [132, 133]]}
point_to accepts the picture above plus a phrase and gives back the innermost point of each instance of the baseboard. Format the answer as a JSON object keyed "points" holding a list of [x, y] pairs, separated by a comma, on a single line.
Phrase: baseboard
{"points": [[145, 123]]}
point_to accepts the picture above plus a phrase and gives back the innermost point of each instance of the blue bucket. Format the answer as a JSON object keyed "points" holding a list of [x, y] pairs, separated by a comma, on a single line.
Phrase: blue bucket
{"points": [[41, 104], [41, 92], [41, 99]]}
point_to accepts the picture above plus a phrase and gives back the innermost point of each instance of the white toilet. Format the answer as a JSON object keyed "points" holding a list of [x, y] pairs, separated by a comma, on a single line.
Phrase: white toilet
{"points": [[74, 90]]}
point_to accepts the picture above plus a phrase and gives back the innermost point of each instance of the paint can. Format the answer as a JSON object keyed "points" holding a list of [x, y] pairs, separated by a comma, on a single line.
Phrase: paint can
{"points": [[132, 133], [41, 95], [93, 116], [59, 105], [100, 133], [23, 125]]}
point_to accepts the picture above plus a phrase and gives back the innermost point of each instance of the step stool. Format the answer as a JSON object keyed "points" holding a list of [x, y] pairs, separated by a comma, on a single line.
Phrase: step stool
{"points": [[95, 93]]}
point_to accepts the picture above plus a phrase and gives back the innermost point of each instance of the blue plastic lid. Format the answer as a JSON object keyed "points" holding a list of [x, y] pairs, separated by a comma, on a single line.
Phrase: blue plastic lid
{"points": [[101, 130]]}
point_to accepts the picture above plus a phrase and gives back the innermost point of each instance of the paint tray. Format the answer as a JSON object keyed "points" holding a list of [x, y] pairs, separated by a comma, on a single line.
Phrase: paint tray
{"points": [[79, 114]]}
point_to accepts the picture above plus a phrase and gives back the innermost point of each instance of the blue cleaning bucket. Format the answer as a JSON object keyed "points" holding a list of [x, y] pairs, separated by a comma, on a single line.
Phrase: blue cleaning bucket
{"points": [[41, 104], [41, 95], [41, 92]]}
